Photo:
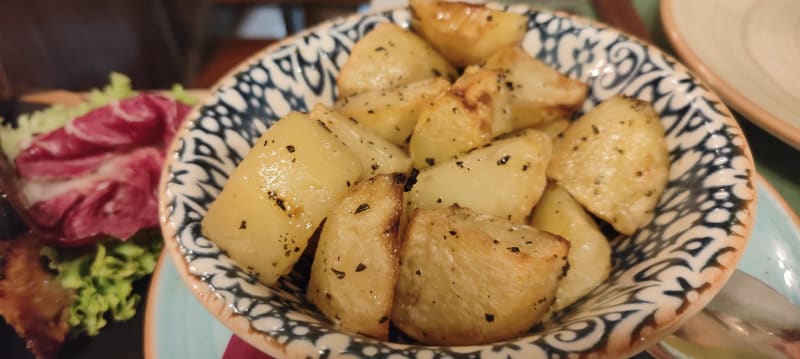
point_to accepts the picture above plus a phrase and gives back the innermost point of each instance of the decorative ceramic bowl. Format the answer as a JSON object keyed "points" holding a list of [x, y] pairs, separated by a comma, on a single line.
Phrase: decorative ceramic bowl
{"points": [[661, 275]]}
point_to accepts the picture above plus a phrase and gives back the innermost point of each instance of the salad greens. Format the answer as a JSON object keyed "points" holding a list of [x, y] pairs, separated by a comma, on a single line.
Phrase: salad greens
{"points": [[14, 138], [102, 278], [101, 275]]}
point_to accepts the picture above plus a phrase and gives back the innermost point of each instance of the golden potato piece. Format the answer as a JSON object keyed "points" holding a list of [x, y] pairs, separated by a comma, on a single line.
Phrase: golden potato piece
{"points": [[471, 279], [356, 263], [539, 93], [589, 253], [504, 180], [614, 162], [467, 116], [466, 34], [387, 57], [278, 195], [375, 154], [392, 113]]}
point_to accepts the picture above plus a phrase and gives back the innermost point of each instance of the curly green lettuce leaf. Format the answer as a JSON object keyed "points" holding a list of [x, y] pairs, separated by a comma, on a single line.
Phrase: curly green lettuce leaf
{"points": [[119, 87], [178, 93], [14, 138], [101, 278]]}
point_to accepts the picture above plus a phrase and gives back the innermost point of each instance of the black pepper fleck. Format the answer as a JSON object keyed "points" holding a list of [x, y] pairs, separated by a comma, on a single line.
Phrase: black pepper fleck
{"points": [[503, 160], [339, 274], [412, 180], [361, 208]]}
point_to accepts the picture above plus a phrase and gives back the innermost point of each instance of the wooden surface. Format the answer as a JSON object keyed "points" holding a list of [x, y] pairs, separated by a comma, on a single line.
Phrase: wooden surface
{"points": [[229, 54], [622, 15]]}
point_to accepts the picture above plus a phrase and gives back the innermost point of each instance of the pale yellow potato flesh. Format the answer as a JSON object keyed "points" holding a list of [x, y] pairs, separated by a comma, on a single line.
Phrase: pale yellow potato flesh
{"points": [[466, 34], [468, 279], [375, 154], [387, 57], [552, 128], [278, 195], [392, 113], [356, 262], [614, 162], [468, 115], [539, 93], [504, 179], [589, 253]]}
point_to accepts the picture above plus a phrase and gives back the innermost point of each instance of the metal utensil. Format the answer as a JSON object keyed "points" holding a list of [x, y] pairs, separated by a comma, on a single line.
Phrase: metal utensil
{"points": [[747, 319]]}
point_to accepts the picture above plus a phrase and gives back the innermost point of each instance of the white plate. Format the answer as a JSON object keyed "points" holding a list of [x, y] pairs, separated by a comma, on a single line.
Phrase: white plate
{"points": [[177, 326], [747, 51]]}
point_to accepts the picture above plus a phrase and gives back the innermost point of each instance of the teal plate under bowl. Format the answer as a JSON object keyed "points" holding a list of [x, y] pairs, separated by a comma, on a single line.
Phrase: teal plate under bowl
{"points": [[177, 326]]}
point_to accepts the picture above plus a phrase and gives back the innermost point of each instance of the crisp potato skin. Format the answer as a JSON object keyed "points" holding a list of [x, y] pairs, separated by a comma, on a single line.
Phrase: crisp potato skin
{"points": [[355, 267], [387, 57], [589, 253], [392, 113], [376, 155], [539, 94], [468, 279], [468, 115], [505, 179], [614, 161], [278, 195], [466, 34]]}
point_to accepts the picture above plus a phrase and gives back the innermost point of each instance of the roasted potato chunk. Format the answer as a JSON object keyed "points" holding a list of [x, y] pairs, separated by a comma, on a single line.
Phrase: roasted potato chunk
{"points": [[539, 93], [278, 195], [589, 254], [505, 179], [467, 116], [375, 154], [466, 34], [356, 263], [387, 57], [467, 278], [614, 162], [392, 113]]}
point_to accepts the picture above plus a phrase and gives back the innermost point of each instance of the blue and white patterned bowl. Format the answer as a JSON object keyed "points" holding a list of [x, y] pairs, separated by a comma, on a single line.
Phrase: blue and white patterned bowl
{"points": [[661, 275]]}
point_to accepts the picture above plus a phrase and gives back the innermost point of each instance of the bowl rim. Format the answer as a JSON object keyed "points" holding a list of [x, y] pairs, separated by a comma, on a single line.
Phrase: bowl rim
{"points": [[241, 326], [754, 112]]}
